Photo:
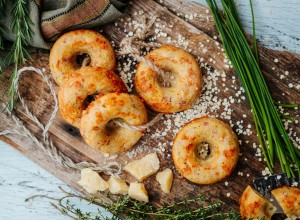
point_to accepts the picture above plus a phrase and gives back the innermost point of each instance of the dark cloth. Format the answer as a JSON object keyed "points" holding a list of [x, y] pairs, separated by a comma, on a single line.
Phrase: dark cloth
{"points": [[52, 17]]}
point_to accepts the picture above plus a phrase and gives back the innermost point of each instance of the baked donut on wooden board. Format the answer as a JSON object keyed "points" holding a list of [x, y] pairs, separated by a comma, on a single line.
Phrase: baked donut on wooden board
{"points": [[63, 59], [222, 145], [181, 92], [97, 127], [82, 84], [253, 206], [289, 199]]}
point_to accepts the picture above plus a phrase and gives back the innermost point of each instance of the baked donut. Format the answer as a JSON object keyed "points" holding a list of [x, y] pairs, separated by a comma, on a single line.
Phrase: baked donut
{"points": [[222, 149], [181, 92], [82, 84], [96, 122], [67, 48], [253, 206], [289, 199]]}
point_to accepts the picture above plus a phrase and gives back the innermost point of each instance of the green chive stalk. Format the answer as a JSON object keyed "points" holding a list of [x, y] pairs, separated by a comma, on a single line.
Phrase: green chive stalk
{"points": [[274, 140]]}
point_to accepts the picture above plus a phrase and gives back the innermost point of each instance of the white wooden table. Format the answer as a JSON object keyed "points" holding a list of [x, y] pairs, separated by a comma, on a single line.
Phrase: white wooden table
{"points": [[278, 27]]}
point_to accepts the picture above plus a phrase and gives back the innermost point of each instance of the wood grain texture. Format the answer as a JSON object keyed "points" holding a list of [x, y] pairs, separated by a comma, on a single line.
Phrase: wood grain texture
{"points": [[277, 22], [199, 30], [20, 179]]}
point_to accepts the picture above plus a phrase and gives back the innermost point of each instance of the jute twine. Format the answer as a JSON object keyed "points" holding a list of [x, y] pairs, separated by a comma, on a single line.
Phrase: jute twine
{"points": [[111, 168], [131, 45]]}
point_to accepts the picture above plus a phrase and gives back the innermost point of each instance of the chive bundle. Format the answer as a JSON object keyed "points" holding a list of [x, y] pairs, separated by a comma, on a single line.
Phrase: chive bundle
{"points": [[274, 141]]}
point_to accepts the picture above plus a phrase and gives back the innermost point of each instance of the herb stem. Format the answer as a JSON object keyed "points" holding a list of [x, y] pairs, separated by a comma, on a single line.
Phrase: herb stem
{"points": [[20, 27], [287, 105], [254, 32], [133, 209]]}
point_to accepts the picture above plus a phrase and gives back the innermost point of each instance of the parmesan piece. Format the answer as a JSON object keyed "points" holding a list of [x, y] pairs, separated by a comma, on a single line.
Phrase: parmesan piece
{"points": [[143, 168], [165, 179], [117, 186], [92, 182], [138, 192], [253, 206], [289, 199]]}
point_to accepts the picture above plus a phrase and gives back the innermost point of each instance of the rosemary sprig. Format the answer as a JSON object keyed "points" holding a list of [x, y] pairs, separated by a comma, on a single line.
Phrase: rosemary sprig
{"points": [[2, 7], [1, 46], [274, 140], [20, 26], [133, 209], [2, 10]]}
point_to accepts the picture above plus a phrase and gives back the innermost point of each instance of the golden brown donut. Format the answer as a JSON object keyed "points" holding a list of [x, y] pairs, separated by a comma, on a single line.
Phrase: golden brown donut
{"points": [[289, 200], [83, 83], [253, 206], [223, 146], [186, 86], [64, 53], [94, 126]]}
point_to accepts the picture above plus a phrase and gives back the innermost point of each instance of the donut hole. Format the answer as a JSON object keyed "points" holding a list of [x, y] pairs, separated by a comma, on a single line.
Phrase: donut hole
{"points": [[166, 79], [111, 125], [280, 216], [88, 100], [203, 150], [83, 59]]}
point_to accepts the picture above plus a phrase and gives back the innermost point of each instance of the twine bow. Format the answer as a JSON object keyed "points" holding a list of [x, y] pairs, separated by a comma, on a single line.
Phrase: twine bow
{"points": [[130, 45], [133, 45], [111, 168]]}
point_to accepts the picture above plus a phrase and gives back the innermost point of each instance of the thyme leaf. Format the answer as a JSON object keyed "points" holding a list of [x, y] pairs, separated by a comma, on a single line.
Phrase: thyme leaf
{"points": [[131, 209]]}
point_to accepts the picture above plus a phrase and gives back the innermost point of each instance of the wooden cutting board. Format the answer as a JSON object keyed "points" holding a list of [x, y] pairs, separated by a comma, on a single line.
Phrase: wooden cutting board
{"points": [[195, 33]]}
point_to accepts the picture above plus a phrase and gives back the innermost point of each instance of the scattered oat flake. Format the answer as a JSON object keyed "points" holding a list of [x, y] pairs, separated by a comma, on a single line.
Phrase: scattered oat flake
{"points": [[221, 93], [278, 177]]}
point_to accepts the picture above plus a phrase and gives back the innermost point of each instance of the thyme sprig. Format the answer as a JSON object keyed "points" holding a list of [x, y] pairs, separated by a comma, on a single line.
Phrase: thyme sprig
{"points": [[274, 140], [20, 27], [132, 209]]}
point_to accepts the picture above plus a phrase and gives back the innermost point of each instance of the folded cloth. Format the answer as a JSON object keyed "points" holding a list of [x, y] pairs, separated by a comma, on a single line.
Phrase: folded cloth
{"points": [[52, 17]]}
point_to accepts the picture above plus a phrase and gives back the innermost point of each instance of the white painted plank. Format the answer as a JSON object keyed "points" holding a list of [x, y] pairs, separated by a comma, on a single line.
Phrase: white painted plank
{"points": [[277, 27], [277, 22], [20, 179]]}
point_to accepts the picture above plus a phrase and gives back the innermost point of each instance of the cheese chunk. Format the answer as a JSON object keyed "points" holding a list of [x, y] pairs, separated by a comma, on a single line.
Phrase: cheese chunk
{"points": [[92, 182], [138, 192], [289, 199], [143, 168], [117, 186], [165, 179], [254, 206]]}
